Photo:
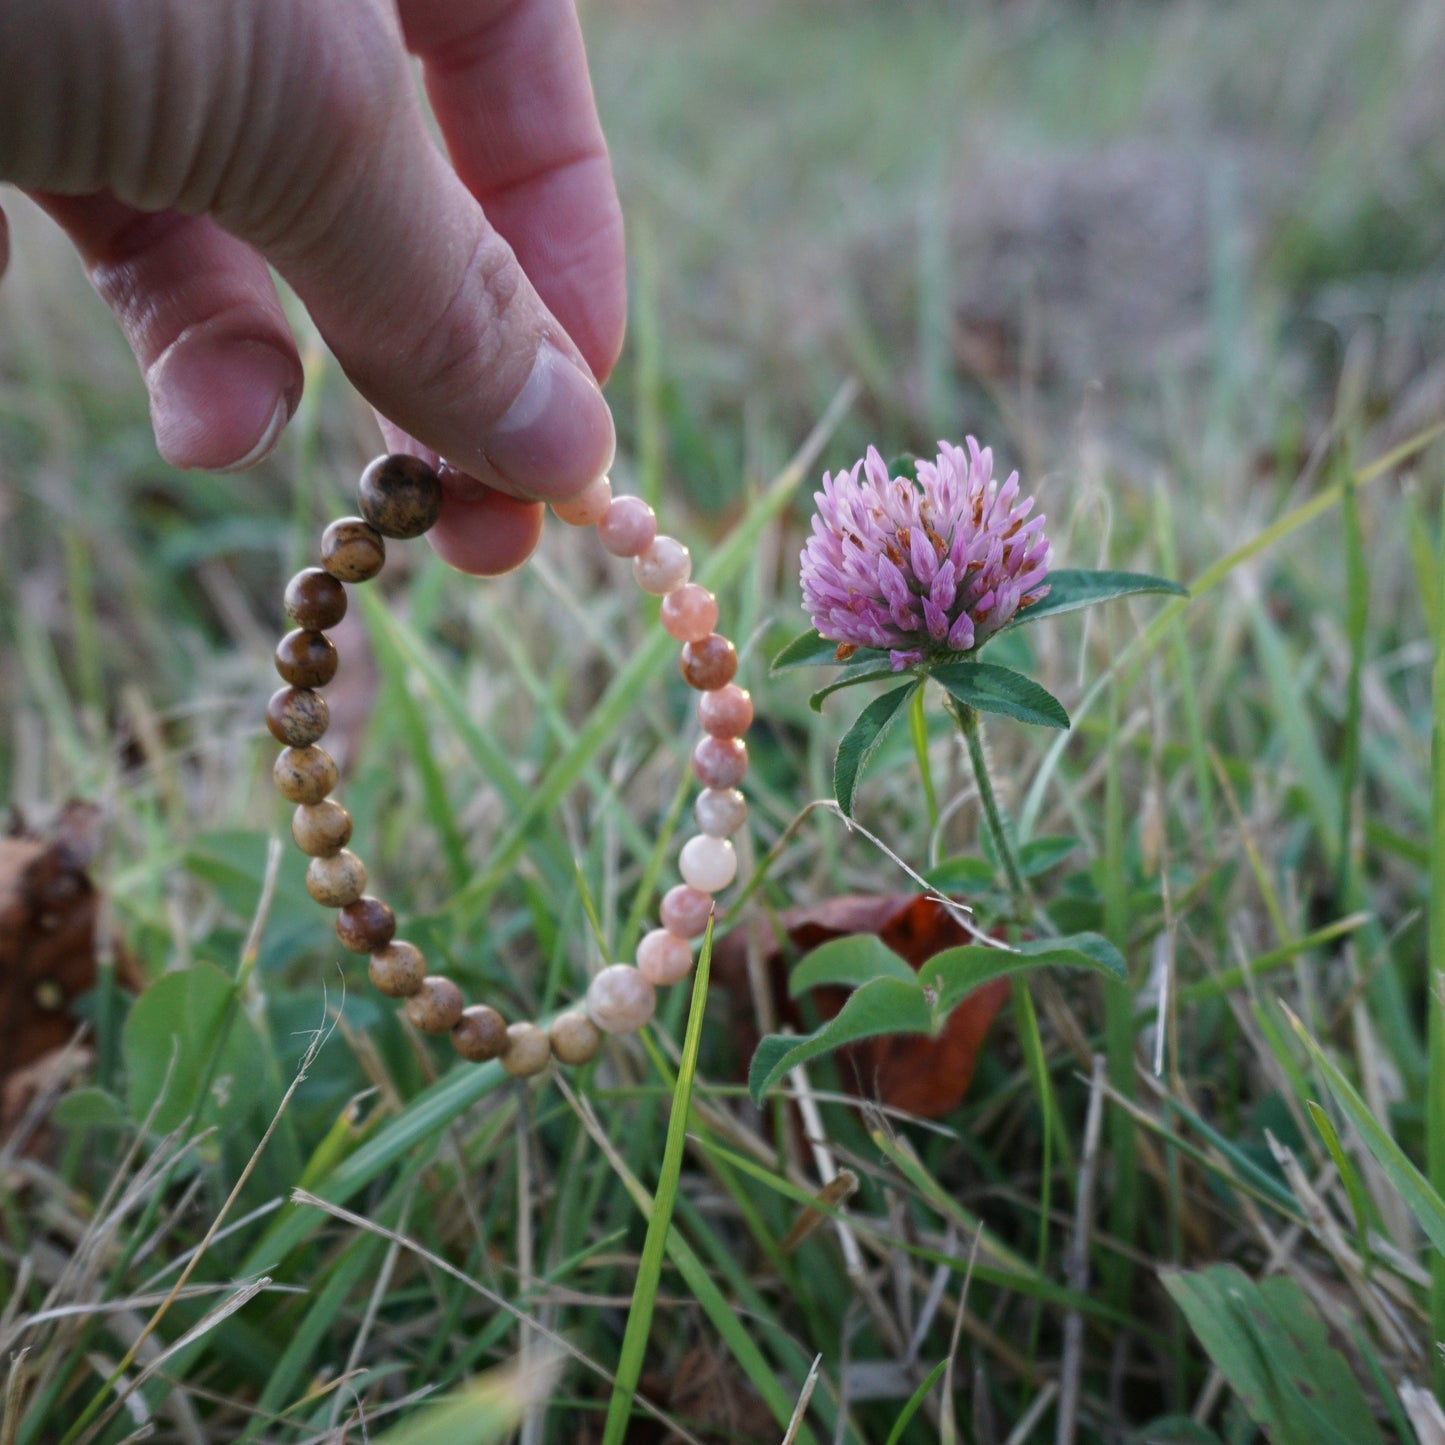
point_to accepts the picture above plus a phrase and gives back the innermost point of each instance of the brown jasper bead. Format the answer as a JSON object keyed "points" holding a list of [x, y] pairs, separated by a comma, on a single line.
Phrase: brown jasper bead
{"points": [[297, 716], [436, 1005], [366, 926], [528, 1052], [304, 775], [315, 599], [321, 829], [480, 1034], [710, 663], [352, 550], [336, 881], [397, 970], [306, 659], [575, 1038], [400, 496], [720, 762]]}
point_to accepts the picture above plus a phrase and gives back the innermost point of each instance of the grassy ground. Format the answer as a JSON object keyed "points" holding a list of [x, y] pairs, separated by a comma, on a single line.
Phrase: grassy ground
{"points": [[1184, 265]]}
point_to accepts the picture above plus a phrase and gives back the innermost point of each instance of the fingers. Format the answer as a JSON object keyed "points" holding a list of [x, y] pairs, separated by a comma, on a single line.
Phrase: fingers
{"points": [[508, 83], [198, 309], [422, 301]]}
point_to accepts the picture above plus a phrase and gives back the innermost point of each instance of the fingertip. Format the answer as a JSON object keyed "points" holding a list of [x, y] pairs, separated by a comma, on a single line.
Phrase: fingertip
{"points": [[220, 404], [485, 534]]}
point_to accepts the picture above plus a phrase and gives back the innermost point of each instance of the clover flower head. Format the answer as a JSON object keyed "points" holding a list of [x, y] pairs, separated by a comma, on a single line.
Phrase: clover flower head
{"points": [[925, 568]]}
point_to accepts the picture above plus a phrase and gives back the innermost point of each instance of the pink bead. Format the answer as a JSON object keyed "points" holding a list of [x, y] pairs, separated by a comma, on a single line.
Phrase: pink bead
{"points": [[726, 712], [707, 864], [663, 567], [720, 811], [620, 1000], [589, 507], [685, 911], [663, 957], [628, 527], [690, 613], [720, 762]]}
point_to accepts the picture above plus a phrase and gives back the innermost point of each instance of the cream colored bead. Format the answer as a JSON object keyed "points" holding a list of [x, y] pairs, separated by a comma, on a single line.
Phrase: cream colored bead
{"points": [[620, 1000], [528, 1050], [707, 864], [587, 509], [663, 567], [720, 812]]}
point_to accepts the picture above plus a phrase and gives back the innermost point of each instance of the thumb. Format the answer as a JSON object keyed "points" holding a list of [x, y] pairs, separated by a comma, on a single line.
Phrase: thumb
{"points": [[427, 309]]}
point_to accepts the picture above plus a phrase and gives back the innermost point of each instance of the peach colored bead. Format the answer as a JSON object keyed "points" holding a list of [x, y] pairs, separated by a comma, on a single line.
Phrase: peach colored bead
{"points": [[528, 1050], [587, 508], [720, 812], [336, 880], [707, 864], [620, 1000], [685, 911], [575, 1038], [435, 1006], [628, 527], [663, 957], [690, 613], [720, 762], [397, 970], [726, 712], [480, 1034], [663, 567]]}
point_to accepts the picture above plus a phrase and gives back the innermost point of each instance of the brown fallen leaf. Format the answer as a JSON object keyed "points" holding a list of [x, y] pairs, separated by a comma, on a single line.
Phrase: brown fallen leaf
{"points": [[48, 913], [922, 1075]]}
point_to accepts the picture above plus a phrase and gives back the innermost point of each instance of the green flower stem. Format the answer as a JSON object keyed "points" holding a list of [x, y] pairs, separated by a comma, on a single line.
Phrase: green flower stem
{"points": [[972, 729], [918, 731]]}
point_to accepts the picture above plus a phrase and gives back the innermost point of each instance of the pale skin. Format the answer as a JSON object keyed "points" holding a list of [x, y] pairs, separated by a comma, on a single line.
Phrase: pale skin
{"points": [[474, 297]]}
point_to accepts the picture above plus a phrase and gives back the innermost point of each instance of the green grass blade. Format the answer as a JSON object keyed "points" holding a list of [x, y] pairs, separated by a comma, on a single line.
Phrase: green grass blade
{"points": [[915, 1403], [649, 1270], [1434, 973]]}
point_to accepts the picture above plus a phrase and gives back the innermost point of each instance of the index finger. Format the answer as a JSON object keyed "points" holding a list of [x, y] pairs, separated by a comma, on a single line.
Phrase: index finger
{"points": [[509, 85]]}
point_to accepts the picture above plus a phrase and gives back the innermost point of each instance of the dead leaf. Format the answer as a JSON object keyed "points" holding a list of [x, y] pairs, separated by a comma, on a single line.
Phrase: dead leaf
{"points": [[923, 1075]]}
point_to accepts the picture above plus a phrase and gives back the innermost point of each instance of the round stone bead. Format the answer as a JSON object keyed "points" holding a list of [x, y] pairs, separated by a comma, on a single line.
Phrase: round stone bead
{"points": [[628, 527], [685, 911], [304, 775], [480, 1034], [400, 496], [720, 762], [436, 1005], [707, 864], [689, 613], [336, 881], [306, 659], [663, 957], [321, 829], [352, 550], [720, 812], [528, 1051], [575, 1038], [366, 926], [709, 664], [297, 716], [587, 508], [663, 567], [620, 1000], [315, 599], [397, 970], [726, 712]]}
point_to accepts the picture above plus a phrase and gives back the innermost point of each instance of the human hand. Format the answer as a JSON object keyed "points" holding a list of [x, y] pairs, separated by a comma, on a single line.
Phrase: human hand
{"points": [[472, 301]]}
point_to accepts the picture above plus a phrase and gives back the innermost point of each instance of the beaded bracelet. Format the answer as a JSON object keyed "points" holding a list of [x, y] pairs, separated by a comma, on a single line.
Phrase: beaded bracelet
{"points": [[401, 497]]}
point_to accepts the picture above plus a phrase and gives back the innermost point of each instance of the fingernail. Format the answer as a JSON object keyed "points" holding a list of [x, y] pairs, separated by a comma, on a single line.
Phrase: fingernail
{"points": [[557, 437], [264, 443]]}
